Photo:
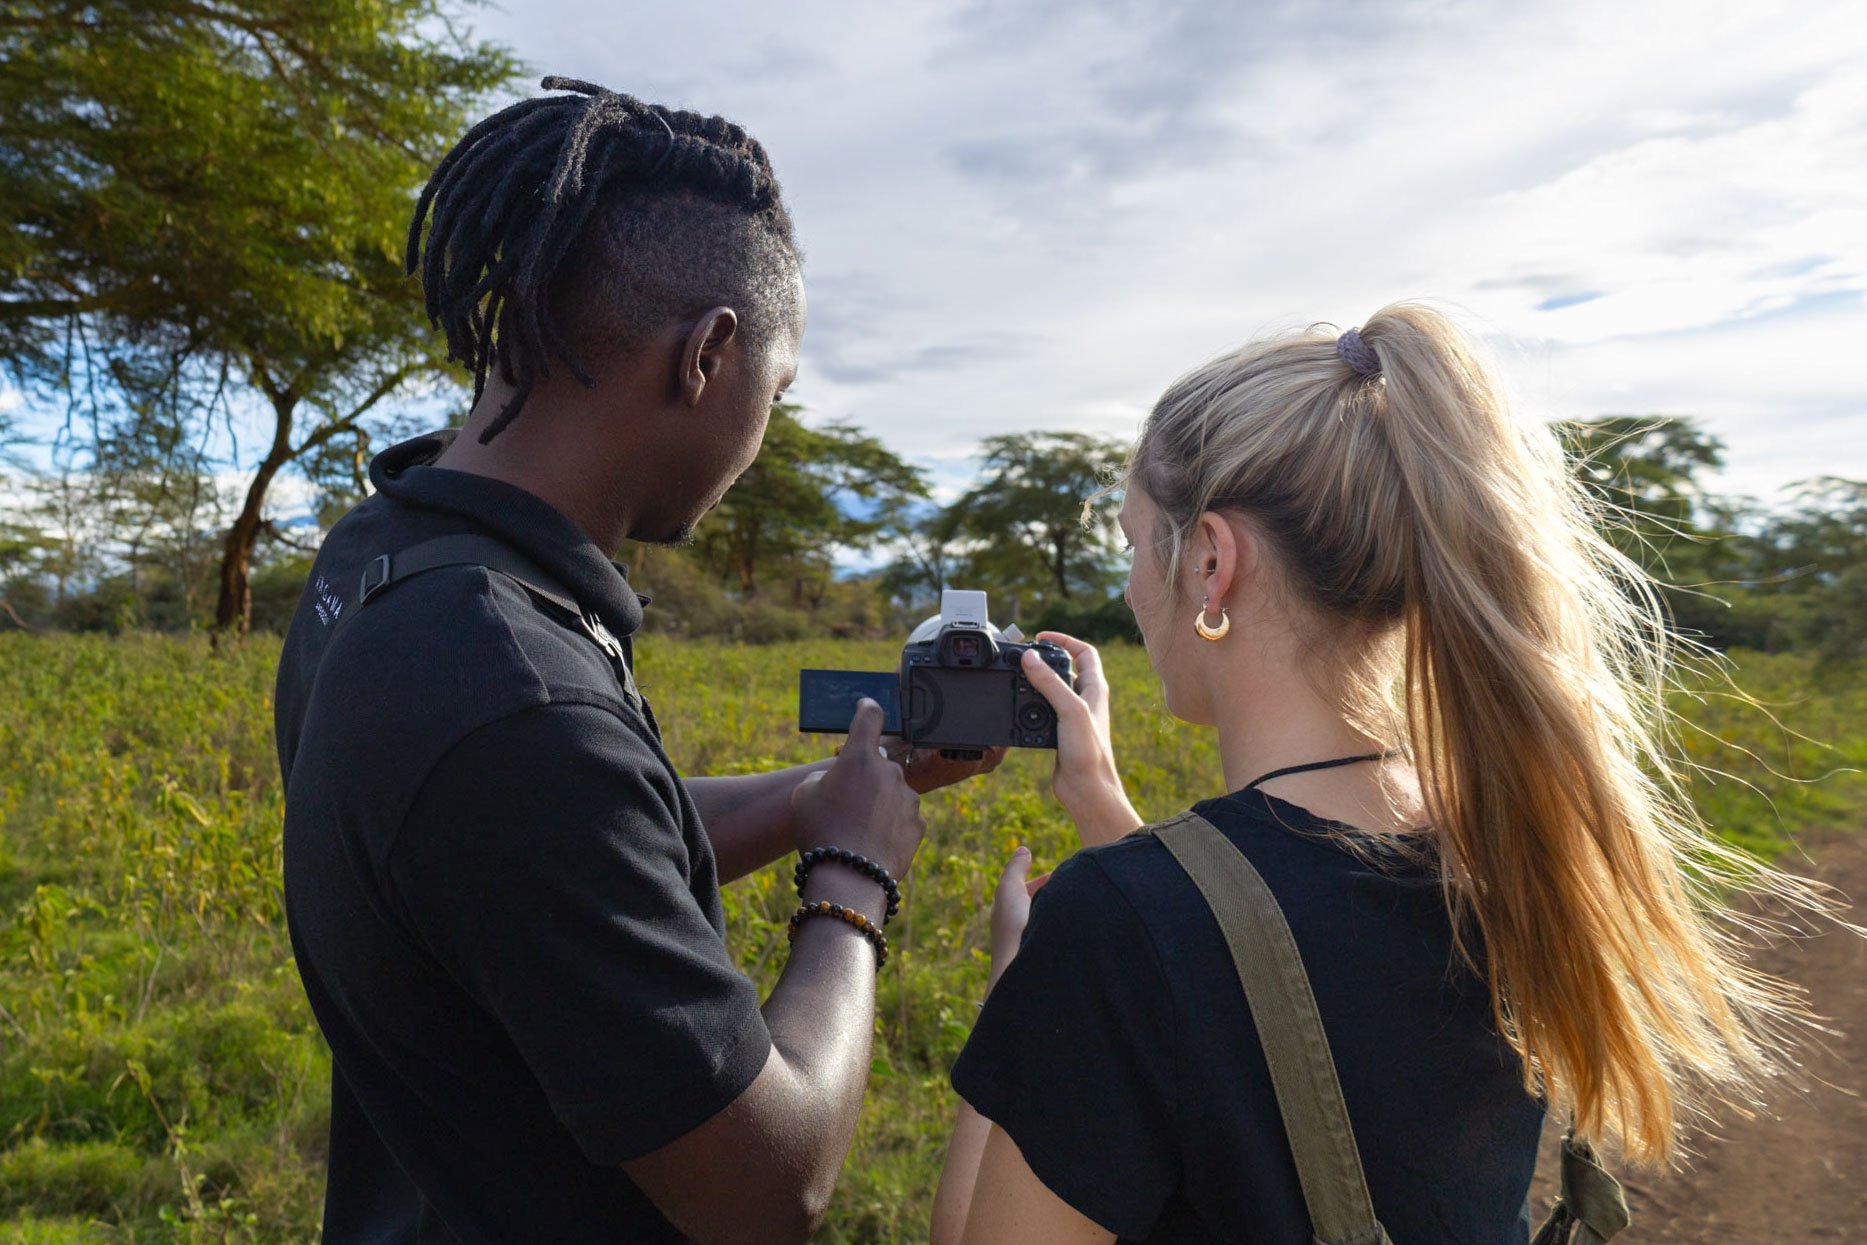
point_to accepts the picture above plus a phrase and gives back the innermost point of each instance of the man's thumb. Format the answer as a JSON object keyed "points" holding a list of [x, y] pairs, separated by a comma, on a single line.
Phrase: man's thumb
{"points": [[799, 792]]}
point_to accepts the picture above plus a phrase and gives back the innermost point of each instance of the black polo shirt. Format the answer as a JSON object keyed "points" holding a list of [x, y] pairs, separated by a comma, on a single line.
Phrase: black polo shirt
{"points": [[1119, 1054], [502, 902]]}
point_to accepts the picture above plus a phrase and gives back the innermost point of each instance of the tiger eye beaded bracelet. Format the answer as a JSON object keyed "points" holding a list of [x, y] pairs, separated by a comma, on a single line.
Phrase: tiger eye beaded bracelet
{"points": [[849, 916], [806, 861]]}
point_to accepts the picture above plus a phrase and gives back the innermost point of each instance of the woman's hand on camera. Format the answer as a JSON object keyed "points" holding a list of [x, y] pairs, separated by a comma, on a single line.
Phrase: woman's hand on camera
{"points": [[1086, 781]]}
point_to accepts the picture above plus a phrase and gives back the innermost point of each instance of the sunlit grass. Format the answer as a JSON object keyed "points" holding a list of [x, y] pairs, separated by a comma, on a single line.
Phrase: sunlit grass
{"points": [[160, 1076]]}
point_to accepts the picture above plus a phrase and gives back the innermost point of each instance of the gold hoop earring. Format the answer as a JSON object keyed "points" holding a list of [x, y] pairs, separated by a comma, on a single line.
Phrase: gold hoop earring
{"points": [[1206, 630]]}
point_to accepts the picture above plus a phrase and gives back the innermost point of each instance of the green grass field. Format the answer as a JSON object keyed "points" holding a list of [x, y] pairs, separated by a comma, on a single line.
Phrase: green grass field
{"points": [[160, 1076]]}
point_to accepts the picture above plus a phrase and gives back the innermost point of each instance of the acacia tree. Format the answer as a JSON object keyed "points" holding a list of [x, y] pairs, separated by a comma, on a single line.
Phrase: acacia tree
{"points": [[810, 492], [1647, 471], [1814, 564], [1024, 524], [1644, 467], [21, 546], [207, 202], [926, 540]]}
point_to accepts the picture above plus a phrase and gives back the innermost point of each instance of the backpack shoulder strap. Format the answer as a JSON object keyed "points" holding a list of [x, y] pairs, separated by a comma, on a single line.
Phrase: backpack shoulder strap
{"points": [[1277, 990], [472, 549], [466, 549]]}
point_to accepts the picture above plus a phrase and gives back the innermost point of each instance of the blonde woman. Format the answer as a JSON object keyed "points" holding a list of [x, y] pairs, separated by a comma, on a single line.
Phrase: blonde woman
{"points": [[1438, 698]]}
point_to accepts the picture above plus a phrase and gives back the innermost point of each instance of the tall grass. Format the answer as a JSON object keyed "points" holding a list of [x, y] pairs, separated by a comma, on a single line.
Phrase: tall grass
{"points": [[161, 1079]]}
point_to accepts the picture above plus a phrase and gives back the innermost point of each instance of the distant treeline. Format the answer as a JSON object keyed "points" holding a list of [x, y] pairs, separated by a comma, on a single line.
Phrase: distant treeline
{"points": [[206, 213], [108, 551]]}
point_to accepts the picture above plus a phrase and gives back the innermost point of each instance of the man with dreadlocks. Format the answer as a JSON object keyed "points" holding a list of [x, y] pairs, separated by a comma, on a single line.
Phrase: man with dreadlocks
{"points": [[502, 902]]}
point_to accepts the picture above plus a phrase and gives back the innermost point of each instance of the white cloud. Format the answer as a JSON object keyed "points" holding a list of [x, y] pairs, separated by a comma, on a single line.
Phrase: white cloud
{"points": [[1681, 232], [1034, 214]]}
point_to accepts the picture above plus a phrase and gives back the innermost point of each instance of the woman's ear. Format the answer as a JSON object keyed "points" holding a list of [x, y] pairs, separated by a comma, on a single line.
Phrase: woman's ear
{"points": [[1223, 558]]}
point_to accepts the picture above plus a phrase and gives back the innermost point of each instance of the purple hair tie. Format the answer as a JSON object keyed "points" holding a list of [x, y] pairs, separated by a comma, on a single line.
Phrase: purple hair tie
{"points": [[1358, 354]]}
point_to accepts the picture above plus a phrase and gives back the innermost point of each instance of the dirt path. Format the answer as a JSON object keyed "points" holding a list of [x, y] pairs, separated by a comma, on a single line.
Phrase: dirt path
{"points": [[1801, 1174]]}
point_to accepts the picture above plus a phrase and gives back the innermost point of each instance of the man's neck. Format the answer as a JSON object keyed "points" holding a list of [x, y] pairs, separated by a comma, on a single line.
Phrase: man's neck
{"points": [[565, 476]]}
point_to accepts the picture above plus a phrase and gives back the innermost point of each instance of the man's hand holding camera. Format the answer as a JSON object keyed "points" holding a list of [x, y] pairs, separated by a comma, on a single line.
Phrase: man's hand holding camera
{"points": [[929, 769]]}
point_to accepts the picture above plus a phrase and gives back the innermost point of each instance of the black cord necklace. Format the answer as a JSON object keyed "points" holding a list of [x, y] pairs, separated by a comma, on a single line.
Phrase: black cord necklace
{"points": [[1332, 764]]}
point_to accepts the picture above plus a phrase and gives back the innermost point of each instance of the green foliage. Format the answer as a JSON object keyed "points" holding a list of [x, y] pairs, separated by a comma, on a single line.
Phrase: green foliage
{"points": [[233, 173], [200, 194], [1022, 529], [1734, 574], [813, 493], [1644, 467], [161, 1079], [1819, 554], [1644, 472], [1100, 622], [762, 566]]}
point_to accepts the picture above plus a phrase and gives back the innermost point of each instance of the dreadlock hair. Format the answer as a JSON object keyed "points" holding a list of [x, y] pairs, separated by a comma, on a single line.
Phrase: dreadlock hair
{"points": [[666, 214]]}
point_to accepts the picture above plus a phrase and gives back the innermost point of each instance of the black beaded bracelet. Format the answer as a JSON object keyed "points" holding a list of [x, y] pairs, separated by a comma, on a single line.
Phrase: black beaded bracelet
{"points": [[849, 916], [806, 861]]}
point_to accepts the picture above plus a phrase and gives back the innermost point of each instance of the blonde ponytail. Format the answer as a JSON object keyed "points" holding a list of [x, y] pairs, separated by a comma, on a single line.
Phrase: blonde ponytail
{"points": [[1409, 505]]}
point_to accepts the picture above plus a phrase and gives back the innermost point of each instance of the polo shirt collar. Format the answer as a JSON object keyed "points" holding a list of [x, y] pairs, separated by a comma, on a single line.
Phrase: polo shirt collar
{"points": [[531, 525]]}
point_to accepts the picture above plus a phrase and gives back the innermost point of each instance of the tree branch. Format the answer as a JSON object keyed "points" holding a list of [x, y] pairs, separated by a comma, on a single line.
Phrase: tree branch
{"points": [[19, 622], [270, 529], [347, 423]]}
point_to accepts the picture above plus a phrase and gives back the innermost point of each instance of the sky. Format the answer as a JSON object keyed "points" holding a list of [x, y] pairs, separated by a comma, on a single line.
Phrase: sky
{"points": [[1034, 214]]}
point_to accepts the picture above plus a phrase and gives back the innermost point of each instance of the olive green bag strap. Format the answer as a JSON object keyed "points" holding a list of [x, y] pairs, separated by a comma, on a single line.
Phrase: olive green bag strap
{"points": [[1591, 1208], [1277, 990]]}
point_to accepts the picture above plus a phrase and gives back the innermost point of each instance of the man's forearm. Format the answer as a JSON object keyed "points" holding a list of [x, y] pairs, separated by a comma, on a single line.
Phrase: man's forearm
{"points": [[821, 1015], [762, 1171], [748, 816]]}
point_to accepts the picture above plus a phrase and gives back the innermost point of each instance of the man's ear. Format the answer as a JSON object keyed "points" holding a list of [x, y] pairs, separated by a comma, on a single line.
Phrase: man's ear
{"points": [[703, 351]]}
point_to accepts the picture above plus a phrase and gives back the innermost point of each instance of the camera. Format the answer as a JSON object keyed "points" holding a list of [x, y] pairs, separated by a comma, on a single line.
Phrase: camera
{"points": [[960, 686]]}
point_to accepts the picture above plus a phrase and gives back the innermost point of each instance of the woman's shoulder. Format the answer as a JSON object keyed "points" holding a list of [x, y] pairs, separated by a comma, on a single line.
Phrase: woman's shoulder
{"points": [[1299, 855]]}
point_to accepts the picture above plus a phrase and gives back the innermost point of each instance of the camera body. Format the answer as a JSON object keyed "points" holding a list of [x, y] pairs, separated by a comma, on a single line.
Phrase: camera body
{"points": [[960, 686], [963, 686]]}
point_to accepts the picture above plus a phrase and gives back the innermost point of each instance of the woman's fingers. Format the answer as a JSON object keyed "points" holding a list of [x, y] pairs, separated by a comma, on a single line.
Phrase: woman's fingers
{"points": [[1081, 651], [1051, 687], [1011, 908], [1064, 640], [1089, 681], [1015, 870]]}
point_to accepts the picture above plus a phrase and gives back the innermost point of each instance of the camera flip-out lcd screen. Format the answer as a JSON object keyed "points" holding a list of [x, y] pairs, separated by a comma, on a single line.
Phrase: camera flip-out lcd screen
{"points": [[826, 699]]}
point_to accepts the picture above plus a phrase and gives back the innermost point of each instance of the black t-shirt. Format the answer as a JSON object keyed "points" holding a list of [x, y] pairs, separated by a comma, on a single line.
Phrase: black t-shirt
{"points": [[1119, 1054], [502, 902]]}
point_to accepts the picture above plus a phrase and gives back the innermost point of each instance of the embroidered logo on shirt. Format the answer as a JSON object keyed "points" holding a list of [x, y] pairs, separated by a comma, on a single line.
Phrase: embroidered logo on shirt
{"points": [[326, 602]]}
